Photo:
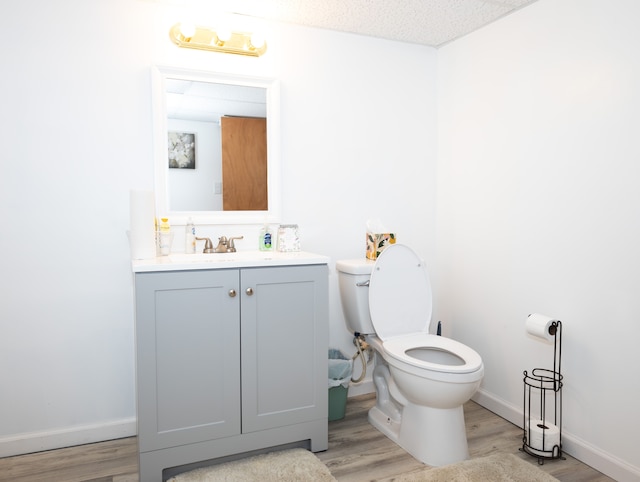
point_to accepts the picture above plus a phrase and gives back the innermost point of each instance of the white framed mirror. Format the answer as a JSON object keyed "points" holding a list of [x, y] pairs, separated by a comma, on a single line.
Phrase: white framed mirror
{"points": [[199, 117]]}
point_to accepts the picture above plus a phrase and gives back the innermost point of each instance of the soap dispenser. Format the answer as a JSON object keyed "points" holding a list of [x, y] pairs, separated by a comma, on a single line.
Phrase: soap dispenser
{"points": [[265, 240]]}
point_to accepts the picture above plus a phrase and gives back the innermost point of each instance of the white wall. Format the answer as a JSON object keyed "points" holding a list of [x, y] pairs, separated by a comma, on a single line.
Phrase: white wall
{"points": [[196, 187], [539, 211], [358, 140]]}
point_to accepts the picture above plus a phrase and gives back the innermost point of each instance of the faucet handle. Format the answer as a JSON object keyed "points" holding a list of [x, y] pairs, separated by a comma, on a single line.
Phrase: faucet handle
{"points": [[208, 245], [231, 248]]}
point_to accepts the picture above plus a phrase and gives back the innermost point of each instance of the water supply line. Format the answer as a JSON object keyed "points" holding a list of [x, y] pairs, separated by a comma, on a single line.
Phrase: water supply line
{"points": [[362, 346]]}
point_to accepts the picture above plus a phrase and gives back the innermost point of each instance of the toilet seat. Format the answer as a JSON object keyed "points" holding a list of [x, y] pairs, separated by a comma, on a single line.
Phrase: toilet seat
{"points": [[399, 293], [449, 356], [400, 305]]}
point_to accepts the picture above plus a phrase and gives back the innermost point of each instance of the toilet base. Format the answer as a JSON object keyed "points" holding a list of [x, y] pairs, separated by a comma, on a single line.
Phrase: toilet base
{"points": [[384, 423], [434, 436]]}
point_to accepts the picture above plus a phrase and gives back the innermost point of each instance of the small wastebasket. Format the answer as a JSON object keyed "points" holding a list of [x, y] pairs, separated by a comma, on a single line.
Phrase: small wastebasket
{"points": [[340, 368]]}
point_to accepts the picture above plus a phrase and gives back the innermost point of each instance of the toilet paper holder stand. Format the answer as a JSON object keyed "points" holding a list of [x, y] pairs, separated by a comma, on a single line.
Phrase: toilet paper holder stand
{"points": [[543, 397]]}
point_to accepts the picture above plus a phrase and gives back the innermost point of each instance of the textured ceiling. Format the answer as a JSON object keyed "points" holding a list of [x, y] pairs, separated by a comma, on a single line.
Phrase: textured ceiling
{"points": [[425, 22]]}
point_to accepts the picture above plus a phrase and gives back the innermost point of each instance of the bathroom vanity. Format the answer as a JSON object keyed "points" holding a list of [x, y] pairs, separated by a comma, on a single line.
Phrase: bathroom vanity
{"points": [[231, 356]]}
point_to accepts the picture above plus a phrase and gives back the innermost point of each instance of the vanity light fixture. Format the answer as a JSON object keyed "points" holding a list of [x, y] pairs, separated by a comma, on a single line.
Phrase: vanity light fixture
{"points": [[203, 38]]}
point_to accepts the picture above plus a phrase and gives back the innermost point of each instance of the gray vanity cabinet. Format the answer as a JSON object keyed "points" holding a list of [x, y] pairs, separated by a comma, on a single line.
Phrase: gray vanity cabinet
{"points": [[188, 341], [229, 361]]}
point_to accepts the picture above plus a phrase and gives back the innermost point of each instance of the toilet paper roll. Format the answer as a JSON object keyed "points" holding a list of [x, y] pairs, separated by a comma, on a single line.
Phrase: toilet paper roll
{"points": [[541, 326], [538, 441], [142, 236]]}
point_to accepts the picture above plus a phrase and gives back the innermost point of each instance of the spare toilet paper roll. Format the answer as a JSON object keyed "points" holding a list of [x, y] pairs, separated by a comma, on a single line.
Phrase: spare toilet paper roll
{"points": [[142, 236], [535, 436], [540, 326]]}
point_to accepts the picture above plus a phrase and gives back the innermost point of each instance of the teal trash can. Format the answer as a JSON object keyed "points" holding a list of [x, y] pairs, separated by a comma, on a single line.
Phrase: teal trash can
{"points": [[340, 368]]}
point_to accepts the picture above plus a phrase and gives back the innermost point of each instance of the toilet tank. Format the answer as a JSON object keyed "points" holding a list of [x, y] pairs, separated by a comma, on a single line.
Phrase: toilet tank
{"points": [[355, 298]]}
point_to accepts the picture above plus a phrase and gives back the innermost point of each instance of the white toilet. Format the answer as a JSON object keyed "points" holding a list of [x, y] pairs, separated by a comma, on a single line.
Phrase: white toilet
{"points": [[421, 380]]}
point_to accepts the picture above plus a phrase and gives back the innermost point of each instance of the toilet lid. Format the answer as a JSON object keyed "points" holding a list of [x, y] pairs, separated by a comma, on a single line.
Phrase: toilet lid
{"points": [[399, 293]]}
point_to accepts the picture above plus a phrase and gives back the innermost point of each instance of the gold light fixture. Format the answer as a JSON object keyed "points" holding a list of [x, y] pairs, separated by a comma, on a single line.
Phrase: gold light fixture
{"points": [[203, 38]]}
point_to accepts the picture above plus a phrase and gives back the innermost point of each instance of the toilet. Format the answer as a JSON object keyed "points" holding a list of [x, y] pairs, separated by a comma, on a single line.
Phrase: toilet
{"points": [[421, 379]]}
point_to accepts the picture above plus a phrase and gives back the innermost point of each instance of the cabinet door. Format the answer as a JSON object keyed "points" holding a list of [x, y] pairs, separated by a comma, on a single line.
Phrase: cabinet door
{"points": [[284, 336], [188, 356]]}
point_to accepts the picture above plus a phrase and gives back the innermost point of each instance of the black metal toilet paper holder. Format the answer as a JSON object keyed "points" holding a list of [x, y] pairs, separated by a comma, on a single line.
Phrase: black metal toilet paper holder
{"points": [[543, 391]]}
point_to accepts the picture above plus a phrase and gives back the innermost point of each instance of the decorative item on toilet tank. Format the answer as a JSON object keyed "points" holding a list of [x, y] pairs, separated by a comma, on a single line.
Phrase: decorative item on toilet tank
{"points": [[377, 242], [378, 238]]}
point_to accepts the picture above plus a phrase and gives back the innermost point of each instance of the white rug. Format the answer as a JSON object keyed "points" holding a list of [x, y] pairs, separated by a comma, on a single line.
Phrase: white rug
{"points": [[298, 465], [493, 468], [293, 465]]}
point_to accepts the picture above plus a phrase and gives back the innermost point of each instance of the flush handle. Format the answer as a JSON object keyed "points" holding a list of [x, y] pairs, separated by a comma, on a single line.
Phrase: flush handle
{"points": [[363, 283], [249, 291]]}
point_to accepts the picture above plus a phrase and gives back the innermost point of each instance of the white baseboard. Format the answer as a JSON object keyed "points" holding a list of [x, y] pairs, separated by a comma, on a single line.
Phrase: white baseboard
{"points": [[499, 406], [27, 443], [576, 447]]}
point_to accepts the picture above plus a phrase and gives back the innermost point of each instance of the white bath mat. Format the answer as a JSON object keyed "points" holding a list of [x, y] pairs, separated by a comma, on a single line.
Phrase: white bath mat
{"points": [[494, 468], [293, 465]]}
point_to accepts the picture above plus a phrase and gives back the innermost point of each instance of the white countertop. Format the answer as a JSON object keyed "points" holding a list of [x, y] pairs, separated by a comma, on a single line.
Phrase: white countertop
{"points": [[240, 259]]}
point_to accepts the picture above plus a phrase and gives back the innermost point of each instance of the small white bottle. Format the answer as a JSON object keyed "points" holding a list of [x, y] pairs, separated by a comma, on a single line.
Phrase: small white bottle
{"points": [[265, 241], [190, 237], [165, 237]]}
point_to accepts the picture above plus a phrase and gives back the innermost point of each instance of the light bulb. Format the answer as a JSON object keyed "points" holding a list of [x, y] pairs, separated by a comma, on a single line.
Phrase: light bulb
{"points": [[223, 34], [187, 30], [257, 40]]}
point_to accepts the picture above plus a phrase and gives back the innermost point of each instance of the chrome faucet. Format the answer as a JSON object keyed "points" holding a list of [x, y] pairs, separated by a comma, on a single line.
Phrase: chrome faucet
{"points": [[224, 245]]}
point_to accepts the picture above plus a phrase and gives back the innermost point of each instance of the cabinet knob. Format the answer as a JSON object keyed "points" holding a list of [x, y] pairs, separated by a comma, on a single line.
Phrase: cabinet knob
{"points": [[249, 291], [232, 293]]}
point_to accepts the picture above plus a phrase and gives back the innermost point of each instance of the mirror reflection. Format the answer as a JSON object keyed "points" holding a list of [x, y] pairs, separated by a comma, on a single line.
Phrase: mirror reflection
{"points": [[217, 146], [216, 142]]}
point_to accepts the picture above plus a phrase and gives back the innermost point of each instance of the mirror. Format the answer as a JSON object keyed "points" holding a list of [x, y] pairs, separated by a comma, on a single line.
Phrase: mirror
{"points": [[216, 147]]}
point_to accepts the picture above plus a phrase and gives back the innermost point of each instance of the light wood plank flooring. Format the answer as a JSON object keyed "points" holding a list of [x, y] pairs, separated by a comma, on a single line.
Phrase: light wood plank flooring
{"points": [[357, 452]]}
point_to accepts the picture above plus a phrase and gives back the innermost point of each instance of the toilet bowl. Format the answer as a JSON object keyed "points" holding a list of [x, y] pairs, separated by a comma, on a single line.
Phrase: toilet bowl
{"points": [[421, 380]]}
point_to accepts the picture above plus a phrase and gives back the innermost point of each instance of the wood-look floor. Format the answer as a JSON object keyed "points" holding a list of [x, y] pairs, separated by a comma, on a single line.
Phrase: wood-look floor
{"points": [[357, 452]]}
